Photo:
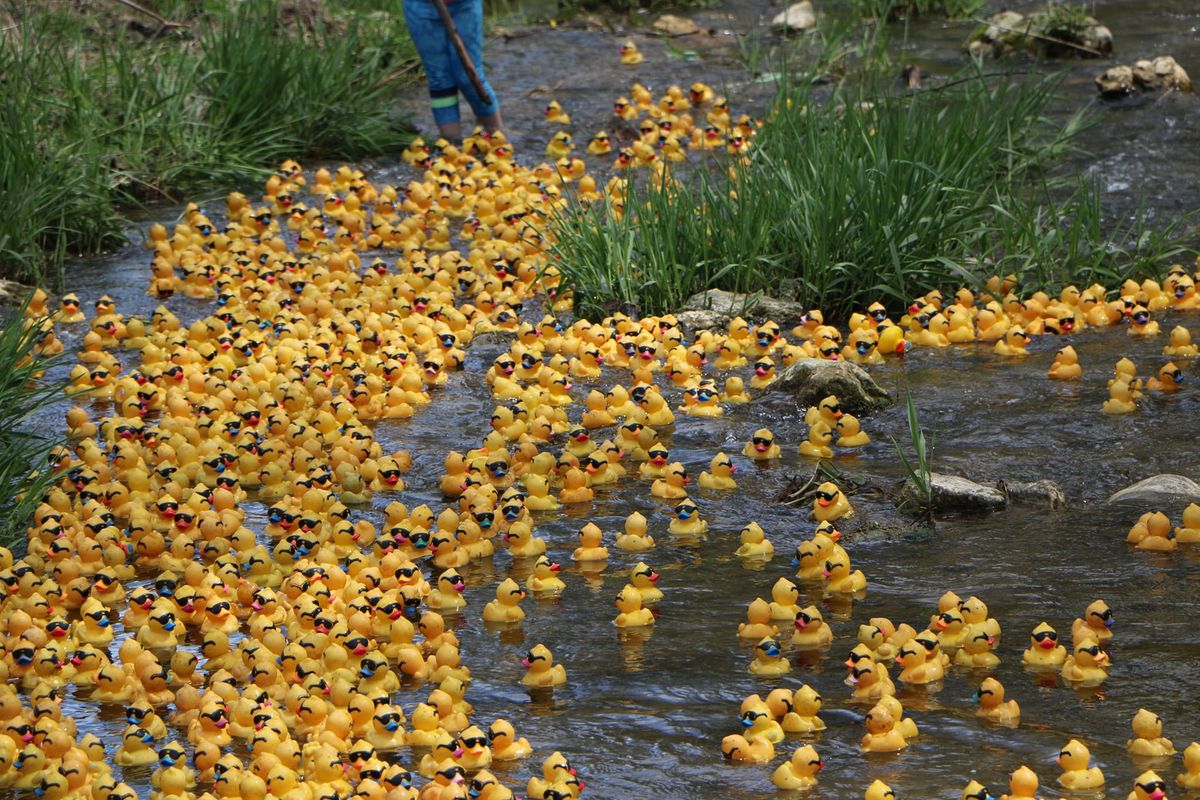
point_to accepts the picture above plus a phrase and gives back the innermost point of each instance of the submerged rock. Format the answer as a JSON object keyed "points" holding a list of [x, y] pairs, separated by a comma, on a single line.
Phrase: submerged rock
{"points": [[797, 17], [1056, 32], [954, 494], [1160, 74], [1165, 488], [811, 379], [1044, 493], [671, 25]]}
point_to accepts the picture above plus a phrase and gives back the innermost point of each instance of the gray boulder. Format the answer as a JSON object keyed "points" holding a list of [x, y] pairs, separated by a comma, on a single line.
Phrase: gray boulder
{"points": [[796, 17], [1046, 494], [1165, 488], [952, 494], [715, 307], [810, 380]]}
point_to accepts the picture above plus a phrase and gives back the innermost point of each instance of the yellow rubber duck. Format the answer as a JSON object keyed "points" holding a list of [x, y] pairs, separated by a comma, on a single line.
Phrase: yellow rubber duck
{"points": [[1044, 651], [992, 705], [631, 613], [630, 55], [1148, 786], [645, 579], [810, 631], [719, 474], [882, 736], [634, 538], [554, 113], [1076, 775], [1148, 740], [545, 581], [1190, 777], [878, 790], [768, 659], [1066, 365], [1022, 785], [1181, 345], [738, 749], [762, 446], [800, 770], [830, 504], [540, 669], [1088, 665], [506, 607], [754, 543]]}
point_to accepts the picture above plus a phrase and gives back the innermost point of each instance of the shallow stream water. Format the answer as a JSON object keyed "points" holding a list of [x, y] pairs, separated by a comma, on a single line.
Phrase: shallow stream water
{"points": [[643, 714]]}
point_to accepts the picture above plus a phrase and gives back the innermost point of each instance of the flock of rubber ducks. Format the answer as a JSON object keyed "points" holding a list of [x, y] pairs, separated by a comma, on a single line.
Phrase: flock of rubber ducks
{"points": [[259, 659]]}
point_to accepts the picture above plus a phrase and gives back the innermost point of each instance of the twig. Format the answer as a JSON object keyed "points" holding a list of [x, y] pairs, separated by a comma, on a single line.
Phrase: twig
{"points": [[1028, 32], [968, 79], [163, 21]]}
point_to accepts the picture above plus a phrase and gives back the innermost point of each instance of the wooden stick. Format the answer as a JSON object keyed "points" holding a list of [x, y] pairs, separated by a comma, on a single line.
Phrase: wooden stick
{"points": [[166, 23], [463, 55]]}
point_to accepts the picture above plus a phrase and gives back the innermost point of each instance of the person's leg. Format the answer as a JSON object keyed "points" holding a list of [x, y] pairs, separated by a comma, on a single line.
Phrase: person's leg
{"points": [[433, 46], [468, 19]]}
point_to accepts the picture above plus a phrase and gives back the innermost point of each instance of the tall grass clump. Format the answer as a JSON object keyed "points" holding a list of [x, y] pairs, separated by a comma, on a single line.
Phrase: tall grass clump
{"points": [[919, 467], [865, 196], [25, 469], [93, 125]]}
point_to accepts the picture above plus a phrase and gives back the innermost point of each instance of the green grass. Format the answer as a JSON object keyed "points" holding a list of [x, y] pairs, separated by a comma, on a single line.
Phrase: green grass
{"points": [[919, 468], [897, 9], [25, 471], [846, 201], [93, 125]]}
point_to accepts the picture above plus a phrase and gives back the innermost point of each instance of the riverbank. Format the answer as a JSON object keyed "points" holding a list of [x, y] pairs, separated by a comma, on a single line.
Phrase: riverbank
{"points": [[107, 110]]}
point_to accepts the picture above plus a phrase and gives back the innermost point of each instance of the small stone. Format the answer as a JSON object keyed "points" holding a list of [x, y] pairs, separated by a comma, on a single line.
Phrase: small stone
{"points": [[952, 494], [1165, 488], [1044, 493], [798, 17], [754, 307], [672, 25], [811, 379], [1115, 81], [1163, 73]]}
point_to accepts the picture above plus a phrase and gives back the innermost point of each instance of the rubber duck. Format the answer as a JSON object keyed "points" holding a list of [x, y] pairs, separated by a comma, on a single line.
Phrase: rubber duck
{"points": [[136, 748], [1190, 777], [1096, 623], [992, 705], [672, 485], [951, 629], [839, 578], [1148, 786], [830, 504], [1014, 343], [1066, 365], [796, 712], [721, 475], [446, 593], [1044, 651], [687, 520], [762, 446], [758, 621], [878, 790], [630, 55], [811, 632], [754, 544], [882, 736], [735, 391], [505, 744], [1140, 323], [975, 790], [1088, 665], [506, 607], [629, 605], [591, 546], [869, 678], [820, 436], [633, 537], [1073, 759], [575, 488], [850, 432], [1168, 379], [1121, 399], [544, 581], [645, 580], [978, 649], [554, 113], [916, 666], [1152, 531], [1189, 531], [560, 145], [768, 660], [1022, 785], [800, 770], [738, 749], [600, 144], [1148, 740], [1181, 345], [540, 669]]}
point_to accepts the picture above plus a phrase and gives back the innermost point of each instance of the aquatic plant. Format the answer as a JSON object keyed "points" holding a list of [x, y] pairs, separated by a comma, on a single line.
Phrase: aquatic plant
{"points": [[918, 468], [25, 469], [868, 195], [94, 124]]}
